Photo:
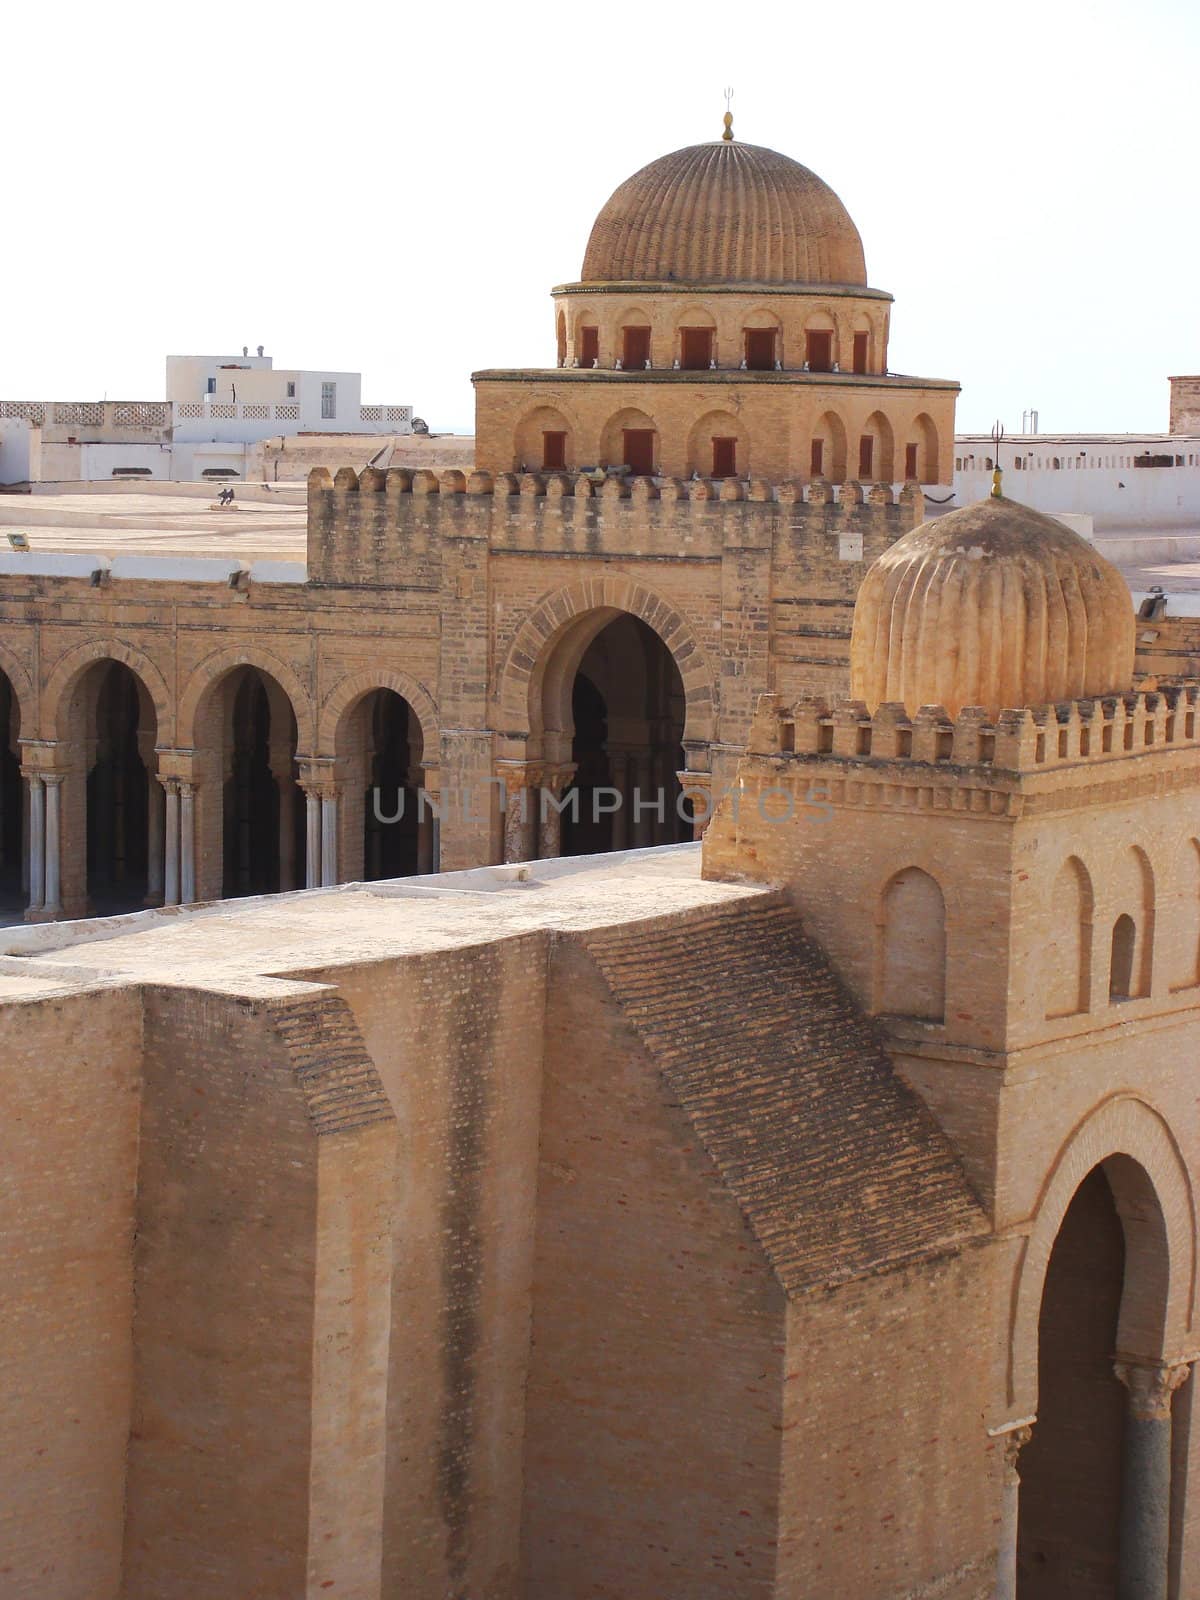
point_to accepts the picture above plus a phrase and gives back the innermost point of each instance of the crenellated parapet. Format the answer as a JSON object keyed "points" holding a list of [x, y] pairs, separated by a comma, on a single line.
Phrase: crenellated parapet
{"points": [[1108, 728], [376, 527]]}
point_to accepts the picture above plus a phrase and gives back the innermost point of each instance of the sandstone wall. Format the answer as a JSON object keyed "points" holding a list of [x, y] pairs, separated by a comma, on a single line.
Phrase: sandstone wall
{"points": [[1185, 405], [658, 1330], [456, 1037], [891, 1486], [261, 1274], [69, 1084], [773, 416]]}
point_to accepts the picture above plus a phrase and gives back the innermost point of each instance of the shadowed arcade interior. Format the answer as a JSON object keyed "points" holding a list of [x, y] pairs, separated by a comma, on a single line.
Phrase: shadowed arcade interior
{"points": [[122, 792], [12, 804], [263, 820], [1071, 1468], [380, 751], [1101, 1475], [626, 722]]}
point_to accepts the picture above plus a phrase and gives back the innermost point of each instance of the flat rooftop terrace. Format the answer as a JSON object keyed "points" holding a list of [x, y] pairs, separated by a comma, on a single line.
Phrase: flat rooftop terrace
{"points": [[267, 523], [247, 946], [262, 525]]}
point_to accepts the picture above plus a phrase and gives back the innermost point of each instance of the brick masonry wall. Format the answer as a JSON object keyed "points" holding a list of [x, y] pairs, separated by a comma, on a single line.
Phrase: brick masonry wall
{"points": [[224, 1265], [1169, 647], [891, 1487], [1185, 405], [456, 1038], [252, 1446], [69, 1079], [773, 415], [654, 1390], [1032, 1101]]}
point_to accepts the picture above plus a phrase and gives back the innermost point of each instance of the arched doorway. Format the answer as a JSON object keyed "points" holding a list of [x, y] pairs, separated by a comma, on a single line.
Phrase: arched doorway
{"points": [[1071, 1467], [1096, 1520], [12, 804], [262, 819], [386, 828], [625, 731], [123, 802]]}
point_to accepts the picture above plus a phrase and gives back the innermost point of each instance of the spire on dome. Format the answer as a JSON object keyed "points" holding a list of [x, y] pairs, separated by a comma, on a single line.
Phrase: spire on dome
{"points": [[728, 134]]}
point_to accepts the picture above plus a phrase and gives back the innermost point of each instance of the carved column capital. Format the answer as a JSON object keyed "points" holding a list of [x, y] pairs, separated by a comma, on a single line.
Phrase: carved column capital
{"points": [[556, 779], [1012, 1438], [517, 776], [1014, 1442], [41, 758], [1151, 1385]]}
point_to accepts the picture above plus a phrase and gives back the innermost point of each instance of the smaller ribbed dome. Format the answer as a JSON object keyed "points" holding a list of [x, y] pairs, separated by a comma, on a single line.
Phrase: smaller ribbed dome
{"points": [[993, 605]]}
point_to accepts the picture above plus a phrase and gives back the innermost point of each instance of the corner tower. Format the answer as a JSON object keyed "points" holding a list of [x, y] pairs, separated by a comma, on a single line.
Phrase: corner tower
{"points": [[994, 837], [722, 327], [997, 843]]}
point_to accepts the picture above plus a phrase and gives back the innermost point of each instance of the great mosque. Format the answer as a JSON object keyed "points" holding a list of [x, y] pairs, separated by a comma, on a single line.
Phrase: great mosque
{"points": [[807, 1212], [661, 527]]}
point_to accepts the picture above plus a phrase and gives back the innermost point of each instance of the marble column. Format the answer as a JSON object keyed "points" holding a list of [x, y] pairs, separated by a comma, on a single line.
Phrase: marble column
{"points": [[155, 842], [287, 834], [170, 842], [519, 814], [312, 837], [618, 767], [1145, 1524], [663, 820], [187, 843], [1014, 1441], [697, 787], [643, 801], [37, 842], [25, 839], [555, 782], [329, 833], [52, 905], [426, 818]]}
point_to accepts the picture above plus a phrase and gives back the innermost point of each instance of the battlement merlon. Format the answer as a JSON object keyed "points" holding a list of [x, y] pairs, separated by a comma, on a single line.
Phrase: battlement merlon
{"points": [[361, 525], [1009, 753]]}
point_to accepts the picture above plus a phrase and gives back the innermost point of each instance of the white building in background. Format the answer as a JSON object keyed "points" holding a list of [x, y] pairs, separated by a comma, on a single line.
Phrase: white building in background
{"points": [[1120, 480], [217, 411]]}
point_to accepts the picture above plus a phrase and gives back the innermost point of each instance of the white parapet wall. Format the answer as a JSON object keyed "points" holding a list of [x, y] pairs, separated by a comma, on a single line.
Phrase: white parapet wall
{"points": [[1119, 480], [20, 450]]}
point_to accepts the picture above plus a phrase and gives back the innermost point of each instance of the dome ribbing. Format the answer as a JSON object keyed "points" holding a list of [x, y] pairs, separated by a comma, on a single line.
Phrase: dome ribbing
{"points": [[725, 212], [993, 605]]}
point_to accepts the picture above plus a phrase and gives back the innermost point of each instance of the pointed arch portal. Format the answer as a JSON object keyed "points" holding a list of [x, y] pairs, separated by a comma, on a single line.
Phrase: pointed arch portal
{"points": [[1098, 1503]]}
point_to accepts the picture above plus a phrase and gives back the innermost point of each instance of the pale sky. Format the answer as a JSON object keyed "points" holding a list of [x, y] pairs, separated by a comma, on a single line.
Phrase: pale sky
{"points": [[395, 189]]}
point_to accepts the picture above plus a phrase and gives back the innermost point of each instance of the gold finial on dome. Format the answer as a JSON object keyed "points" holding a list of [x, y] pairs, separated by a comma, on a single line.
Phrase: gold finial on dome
{"points": [[728, 134], [997, 438]]}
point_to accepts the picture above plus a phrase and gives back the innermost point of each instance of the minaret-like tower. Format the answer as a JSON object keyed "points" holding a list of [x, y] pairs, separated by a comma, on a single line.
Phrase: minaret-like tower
{"points": [[997, 842]]}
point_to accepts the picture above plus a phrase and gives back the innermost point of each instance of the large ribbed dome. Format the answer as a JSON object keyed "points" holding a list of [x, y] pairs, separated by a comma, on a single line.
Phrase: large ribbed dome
{"points": [[725, 213], [993, 605]]}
